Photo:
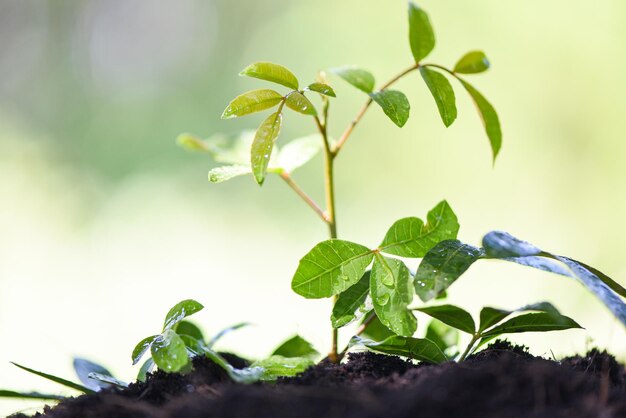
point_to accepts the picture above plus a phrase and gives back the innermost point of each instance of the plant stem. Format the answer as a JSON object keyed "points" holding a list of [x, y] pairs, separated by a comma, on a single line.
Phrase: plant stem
{"points": [[346, 134], [468, 350], [307, 199]]}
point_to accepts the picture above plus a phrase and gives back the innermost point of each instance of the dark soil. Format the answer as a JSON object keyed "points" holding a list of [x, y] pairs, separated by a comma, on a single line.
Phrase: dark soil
{"points": [[501, 381]]}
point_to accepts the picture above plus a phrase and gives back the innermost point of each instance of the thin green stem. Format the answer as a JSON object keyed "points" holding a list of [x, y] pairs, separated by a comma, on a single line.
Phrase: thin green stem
{"points": [[307, 199], [468, 350]]}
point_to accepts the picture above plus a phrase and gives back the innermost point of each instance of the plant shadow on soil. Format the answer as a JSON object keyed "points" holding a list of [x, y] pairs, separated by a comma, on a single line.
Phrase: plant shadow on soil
{"points": [[501, 381]]}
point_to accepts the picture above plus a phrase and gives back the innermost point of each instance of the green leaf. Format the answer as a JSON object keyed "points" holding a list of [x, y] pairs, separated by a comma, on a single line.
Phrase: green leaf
{"points": [[445, 337], [189, 328], [409, 237], [441, 266], [391, 289], [395, 105], [84, 367], [226, 331], [251, 102], [245, 376], [491, 316], [504, 246], [415, 348], [180, 311], [146, 368], [169, 352], [296, 346], [489, 117], [298, 102], [141, 348], [533, 322], [421, 35], [271, 72], [278, 366], [299, 152], [451, 315], [106, 380], [359, 78], [263, 144], [322, 88], [191, 142], [375, 330], [330, 268], [442, 92], [194, 346], [56, 379], [227, 172], [471, 63], [351, 302], [30, 395]]}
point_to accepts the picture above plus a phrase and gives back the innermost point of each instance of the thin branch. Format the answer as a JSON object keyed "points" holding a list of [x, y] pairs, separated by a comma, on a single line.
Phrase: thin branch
{"points": [[307, 199]]}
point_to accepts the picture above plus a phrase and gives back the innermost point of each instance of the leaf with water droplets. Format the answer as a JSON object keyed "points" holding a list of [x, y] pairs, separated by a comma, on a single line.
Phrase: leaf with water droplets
{"points": [[421, 35], [351, 302], [451, 315], [227, 172], [278, 366], [298, 102], [441, 266], [180, 311], [263, 145], [409, 237], [169, 352], [488, 116], [106, 380], [471, 63], [296, 346], [83, 367], [359, 78], [442, 92], [391, 290], [141, 348], [322, 88], [299, 152], [330, 267], [395, 105], [274, 73], [414, 348], [251, 102]]}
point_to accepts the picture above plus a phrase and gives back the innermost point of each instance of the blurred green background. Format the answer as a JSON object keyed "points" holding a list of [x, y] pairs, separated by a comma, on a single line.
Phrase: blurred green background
{"points": [[105, 223]]}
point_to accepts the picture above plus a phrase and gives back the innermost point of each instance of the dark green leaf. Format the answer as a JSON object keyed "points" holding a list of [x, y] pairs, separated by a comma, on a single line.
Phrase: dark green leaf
{"points": [[146, 368], [451, 315], [83, 367], [30, 395], [390, 286], [491, 316], [251, 102], [298, 152], [271, 72], [56, 379], [409, 237], [442, 92], [533, 322], [322, 88], [330, 268], [189, 328], [441, 266], [277, 366], [489, 117], [415, 348], [421, 35], [226, 331], [141, 348], [395, 105], [263, 144], [359, 78], [169, 352], [471, 63], [445, 337], [227, 172], [194, 346], [180, 311], [298, 102], [375, 329], [191, 142], [351, 302], [296, 346]]}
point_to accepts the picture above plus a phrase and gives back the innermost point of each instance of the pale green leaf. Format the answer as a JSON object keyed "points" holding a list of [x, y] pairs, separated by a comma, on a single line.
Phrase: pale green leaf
{"points": [[191, 142], [271, 72], [322, 88], [471, 63], [180, 311], [351, 302], [278, 366], [489, 117], [169, 351], [330, 268], [251, 102], [298, 152], [409, 237], [395, 105], [296, 346], [442, 92], [298, 102], [263, 145], [421, 35], [227, 172], [451, 315], [414, 348], [359, 78], [391, 290]]}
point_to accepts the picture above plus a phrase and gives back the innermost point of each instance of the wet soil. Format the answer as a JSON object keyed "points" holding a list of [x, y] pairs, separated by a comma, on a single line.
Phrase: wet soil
{"points": [[501, 381]]}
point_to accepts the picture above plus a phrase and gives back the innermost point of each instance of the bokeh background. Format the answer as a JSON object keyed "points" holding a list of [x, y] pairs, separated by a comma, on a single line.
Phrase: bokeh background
{"points": [[105, 223]]}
